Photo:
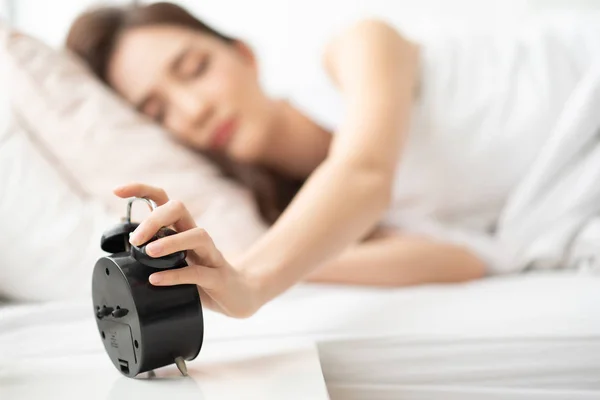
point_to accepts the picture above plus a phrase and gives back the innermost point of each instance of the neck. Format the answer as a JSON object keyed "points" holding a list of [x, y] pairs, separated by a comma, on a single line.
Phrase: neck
{"points": [[297, 144]]}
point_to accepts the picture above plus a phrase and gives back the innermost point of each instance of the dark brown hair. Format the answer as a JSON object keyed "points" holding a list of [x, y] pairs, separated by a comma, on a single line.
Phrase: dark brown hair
{"points": [[93, 37]]}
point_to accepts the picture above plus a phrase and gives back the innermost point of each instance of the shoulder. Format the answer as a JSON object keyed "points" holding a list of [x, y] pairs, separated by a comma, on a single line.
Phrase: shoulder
{"points": [[318, 94], [364, 49], [364, 33], [368, 26]]}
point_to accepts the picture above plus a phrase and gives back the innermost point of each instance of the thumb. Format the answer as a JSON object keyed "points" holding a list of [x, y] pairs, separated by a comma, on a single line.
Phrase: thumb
{"points": [[200, 275]]}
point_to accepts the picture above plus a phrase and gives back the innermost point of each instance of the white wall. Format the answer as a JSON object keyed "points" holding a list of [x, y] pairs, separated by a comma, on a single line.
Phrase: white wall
{"points": [[284, 30], [281, 30], [49, 19], [257, 19], [5, 7]]}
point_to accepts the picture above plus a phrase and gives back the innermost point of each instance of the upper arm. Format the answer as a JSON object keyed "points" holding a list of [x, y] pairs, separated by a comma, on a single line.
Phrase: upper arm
{"points": [[375, 69], [367, 47]]}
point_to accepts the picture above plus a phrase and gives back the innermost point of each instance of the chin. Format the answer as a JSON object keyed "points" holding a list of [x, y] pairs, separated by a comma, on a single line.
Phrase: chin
{"points": [[247, 152], [244, 157]]}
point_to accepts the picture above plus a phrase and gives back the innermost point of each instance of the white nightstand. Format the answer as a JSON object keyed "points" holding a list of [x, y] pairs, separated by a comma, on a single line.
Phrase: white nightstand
{"points": [[224, 370]]}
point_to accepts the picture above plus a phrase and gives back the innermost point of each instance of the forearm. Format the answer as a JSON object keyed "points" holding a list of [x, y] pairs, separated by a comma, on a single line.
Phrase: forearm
{"points": [[337, 206], [349, 192], [399, 260], [341, 201]]}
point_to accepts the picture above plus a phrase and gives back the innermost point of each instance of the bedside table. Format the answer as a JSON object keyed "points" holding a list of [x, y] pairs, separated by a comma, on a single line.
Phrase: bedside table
{"points": [[224, 370]]}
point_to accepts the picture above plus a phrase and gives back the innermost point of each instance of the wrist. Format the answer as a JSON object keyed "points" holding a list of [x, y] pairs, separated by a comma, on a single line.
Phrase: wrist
{"points": [[258, 282]]}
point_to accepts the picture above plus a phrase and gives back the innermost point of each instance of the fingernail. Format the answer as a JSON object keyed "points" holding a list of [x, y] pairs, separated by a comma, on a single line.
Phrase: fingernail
{"points": [[134, 238], [155, 278], [154, 248]]}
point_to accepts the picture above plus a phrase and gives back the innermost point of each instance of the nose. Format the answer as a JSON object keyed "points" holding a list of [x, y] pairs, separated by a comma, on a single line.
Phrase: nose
{"points": [[194, 107]]}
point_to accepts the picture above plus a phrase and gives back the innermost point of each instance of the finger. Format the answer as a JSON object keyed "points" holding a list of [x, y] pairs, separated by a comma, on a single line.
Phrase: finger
{"points": [[200, 275], [171, 213], [141, 190], [196, 239]]}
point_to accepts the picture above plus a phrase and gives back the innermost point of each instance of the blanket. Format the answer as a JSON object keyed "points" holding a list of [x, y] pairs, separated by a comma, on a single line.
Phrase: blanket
{"points": [[552, 219]]}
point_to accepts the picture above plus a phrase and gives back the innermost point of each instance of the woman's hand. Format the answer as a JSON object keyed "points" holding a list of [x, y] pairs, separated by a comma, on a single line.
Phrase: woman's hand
{"points": [[222, 287]]}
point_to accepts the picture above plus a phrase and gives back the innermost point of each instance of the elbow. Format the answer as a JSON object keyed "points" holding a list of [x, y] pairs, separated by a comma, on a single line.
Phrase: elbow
{"points": [[370, 179], [378, 185], [385, 194]]}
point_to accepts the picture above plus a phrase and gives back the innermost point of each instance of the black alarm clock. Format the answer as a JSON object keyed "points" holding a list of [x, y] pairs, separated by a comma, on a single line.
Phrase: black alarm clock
{"points": [[143, 327]]}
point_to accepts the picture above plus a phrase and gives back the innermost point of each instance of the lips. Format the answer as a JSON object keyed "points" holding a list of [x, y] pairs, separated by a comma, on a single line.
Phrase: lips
{"points": [[222, 135]]}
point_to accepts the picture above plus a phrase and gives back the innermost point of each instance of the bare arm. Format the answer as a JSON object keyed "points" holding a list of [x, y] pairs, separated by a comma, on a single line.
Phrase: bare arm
{"points": [[375, 69], [340, 203], [395, 259]]}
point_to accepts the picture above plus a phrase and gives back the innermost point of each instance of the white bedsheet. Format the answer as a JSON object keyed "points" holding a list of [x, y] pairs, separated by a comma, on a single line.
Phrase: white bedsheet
{"points": [[533, 336]]}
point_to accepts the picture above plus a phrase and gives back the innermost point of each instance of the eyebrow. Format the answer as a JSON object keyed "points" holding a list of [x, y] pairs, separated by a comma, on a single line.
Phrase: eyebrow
{"points": [[173, 68]]}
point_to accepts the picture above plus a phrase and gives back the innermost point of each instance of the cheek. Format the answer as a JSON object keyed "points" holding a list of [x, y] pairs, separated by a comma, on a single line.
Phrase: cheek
{"points": [[182, 130], [240, 93], [251, 140], [177, 127], [234, 83]]}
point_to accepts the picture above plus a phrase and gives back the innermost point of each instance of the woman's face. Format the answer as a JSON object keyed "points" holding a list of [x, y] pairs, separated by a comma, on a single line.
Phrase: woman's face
{"points": [[202, 89]]}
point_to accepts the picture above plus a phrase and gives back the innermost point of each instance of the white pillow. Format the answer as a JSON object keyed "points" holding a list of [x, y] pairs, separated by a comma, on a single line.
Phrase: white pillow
{"points": [[50, 239], [71, 141]]}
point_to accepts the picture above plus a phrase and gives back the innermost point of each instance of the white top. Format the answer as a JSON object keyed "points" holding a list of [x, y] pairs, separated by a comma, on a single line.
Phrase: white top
{"points": [[485, 106]]}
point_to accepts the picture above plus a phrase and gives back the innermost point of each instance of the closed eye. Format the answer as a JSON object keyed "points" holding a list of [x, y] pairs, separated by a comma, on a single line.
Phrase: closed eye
{"points": [[194, 66]]}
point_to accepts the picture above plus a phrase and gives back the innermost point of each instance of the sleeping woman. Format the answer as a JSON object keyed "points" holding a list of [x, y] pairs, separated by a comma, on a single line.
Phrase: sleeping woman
{"points": [[370, 201]]}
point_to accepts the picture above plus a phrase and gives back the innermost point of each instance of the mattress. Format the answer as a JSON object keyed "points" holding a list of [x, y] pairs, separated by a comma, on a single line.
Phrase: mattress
{"points": [[530, 336]]}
